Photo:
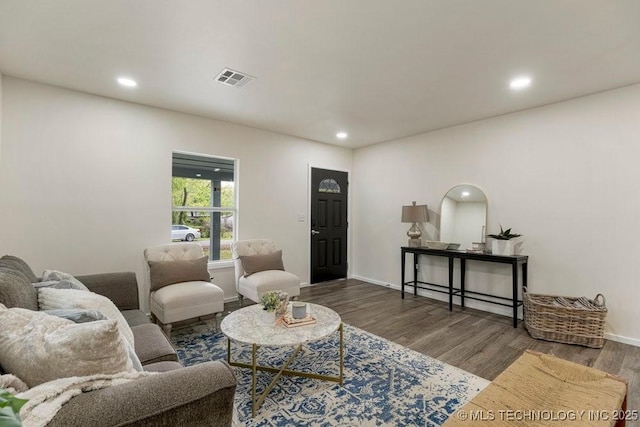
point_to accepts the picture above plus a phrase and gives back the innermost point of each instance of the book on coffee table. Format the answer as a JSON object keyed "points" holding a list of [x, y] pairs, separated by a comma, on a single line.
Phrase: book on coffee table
{"points": [[290, 322]]}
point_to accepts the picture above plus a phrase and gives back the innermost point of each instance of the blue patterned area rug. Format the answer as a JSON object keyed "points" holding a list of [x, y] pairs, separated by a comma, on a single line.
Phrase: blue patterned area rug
{"points": [[385, 384]]}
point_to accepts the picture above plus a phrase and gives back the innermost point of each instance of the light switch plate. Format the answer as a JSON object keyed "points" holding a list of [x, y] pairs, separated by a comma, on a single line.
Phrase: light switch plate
{"points": [[300, 217]]}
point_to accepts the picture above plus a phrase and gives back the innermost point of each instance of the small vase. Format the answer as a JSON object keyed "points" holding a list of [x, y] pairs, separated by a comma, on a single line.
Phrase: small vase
{"points": [[505, 247], [268, 316]]}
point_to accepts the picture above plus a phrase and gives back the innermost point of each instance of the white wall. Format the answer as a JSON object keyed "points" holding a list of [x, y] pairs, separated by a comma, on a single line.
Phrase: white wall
{"points": [[85, 187], [564, 175], [86, 180], [0, 118]]}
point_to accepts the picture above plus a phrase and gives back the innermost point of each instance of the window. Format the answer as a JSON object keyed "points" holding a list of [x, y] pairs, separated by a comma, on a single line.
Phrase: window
{"points": [[203, 197]]}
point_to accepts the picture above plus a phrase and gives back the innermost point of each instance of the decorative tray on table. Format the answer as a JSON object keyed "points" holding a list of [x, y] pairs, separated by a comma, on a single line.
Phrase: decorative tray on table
{"points": [[290, 322]]}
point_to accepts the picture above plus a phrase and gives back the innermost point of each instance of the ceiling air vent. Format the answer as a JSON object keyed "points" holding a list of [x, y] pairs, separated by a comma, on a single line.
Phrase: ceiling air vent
{"points": [[233, 78]]}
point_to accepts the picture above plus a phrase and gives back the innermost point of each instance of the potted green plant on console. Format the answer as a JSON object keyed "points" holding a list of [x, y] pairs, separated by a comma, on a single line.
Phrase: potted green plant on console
{"points": [[505, 242]]}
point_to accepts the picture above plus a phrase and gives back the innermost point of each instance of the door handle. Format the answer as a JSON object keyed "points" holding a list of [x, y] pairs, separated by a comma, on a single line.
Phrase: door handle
{"points": [[314, 232]]}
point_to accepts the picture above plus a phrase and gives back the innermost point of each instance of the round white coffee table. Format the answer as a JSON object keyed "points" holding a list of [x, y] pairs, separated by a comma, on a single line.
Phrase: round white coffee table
{"points": [[249, 325]]}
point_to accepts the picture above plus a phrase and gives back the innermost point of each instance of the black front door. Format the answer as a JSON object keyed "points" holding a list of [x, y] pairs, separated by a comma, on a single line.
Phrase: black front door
{"points": [[329, 191]]}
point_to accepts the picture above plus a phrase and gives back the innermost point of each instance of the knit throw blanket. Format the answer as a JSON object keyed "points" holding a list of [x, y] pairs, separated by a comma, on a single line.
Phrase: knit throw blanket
{"points": [[45, 400]]}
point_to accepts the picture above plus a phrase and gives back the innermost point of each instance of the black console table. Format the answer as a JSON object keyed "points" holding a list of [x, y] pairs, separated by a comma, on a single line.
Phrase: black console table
{"points": [[514, 261]]}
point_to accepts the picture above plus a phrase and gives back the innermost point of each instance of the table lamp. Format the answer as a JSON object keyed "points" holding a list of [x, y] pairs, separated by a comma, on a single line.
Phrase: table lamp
{"points": [[415, 214]]}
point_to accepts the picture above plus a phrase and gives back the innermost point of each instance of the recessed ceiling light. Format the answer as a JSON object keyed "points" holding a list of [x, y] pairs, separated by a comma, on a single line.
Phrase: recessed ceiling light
{"points": [[341, 135], [465, 194], [125, 81], [519, 83]]}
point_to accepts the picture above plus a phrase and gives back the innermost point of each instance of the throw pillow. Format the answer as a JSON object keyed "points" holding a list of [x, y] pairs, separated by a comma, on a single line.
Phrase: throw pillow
{"points": [[37, 347], [16, 289], [165, 273], [55, 299], [77, 315], [58, 284], [12, 384], [84, 316], [50, 275], [256, 263], [18, 264]]}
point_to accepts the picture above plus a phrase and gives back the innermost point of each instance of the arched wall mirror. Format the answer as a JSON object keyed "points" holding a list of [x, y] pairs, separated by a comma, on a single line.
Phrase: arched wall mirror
{"points": [[463, 216]]}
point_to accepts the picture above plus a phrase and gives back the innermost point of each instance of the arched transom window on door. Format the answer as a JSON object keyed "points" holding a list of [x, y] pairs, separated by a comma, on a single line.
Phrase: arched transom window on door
{"points": [[329, 185]]}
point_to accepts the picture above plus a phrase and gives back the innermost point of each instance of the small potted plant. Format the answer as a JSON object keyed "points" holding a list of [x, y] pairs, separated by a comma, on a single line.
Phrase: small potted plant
{"points": [[504, 243], [274, 302]]}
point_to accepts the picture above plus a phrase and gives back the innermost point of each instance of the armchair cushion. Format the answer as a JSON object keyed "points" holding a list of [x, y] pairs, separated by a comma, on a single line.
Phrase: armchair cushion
{"points": [[257, 284], [186, 300], [263, 262], [38, 347], [165, 273]]}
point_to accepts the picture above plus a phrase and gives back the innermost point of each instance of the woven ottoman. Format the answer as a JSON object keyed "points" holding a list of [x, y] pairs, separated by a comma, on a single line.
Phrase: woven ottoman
{"points": [[540, 390]]}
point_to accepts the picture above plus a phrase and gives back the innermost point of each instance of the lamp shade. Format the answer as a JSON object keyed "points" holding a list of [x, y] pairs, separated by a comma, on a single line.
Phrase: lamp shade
{"points": [[415, 213]]}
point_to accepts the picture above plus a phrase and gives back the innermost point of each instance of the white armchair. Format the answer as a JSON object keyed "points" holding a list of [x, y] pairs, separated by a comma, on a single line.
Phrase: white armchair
{"points": [[256, 284], [191, 294]]}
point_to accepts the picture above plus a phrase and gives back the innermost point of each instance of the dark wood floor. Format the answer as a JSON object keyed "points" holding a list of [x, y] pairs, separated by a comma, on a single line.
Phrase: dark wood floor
{"points": [[478, 342]]}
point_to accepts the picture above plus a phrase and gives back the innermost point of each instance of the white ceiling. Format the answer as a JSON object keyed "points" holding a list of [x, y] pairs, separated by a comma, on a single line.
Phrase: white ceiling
{"points": [[377, 69]]}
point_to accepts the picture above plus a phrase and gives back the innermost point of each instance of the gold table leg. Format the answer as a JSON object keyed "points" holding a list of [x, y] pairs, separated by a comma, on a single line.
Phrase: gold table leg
{"points": [[255, 403], [341, 353], [254, 376]]}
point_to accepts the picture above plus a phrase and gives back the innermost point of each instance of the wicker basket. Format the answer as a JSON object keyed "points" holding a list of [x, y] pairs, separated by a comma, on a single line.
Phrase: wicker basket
{"points": [[545, 319]]}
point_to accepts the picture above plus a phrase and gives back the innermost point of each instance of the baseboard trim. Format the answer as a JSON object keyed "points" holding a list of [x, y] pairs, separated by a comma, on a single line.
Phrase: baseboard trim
{"points": [[496, 310], [374, 281], [621, 339], [502, 311]]}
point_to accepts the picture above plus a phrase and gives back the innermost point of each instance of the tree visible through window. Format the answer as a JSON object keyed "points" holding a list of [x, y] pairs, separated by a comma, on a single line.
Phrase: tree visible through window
{"points": [[203, 198]]}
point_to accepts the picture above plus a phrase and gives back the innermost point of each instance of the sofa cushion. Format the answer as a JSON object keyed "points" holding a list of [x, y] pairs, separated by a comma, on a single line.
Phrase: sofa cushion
{"points": [[199, 395], [135, 317], [37, 347], [152, 345], [16, 289], [263, 262], [18, 264], [52, 299], [165, 273]]}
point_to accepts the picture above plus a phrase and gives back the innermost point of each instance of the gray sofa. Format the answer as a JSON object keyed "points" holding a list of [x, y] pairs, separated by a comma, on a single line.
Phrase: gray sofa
{"points": [[200, 395]]}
